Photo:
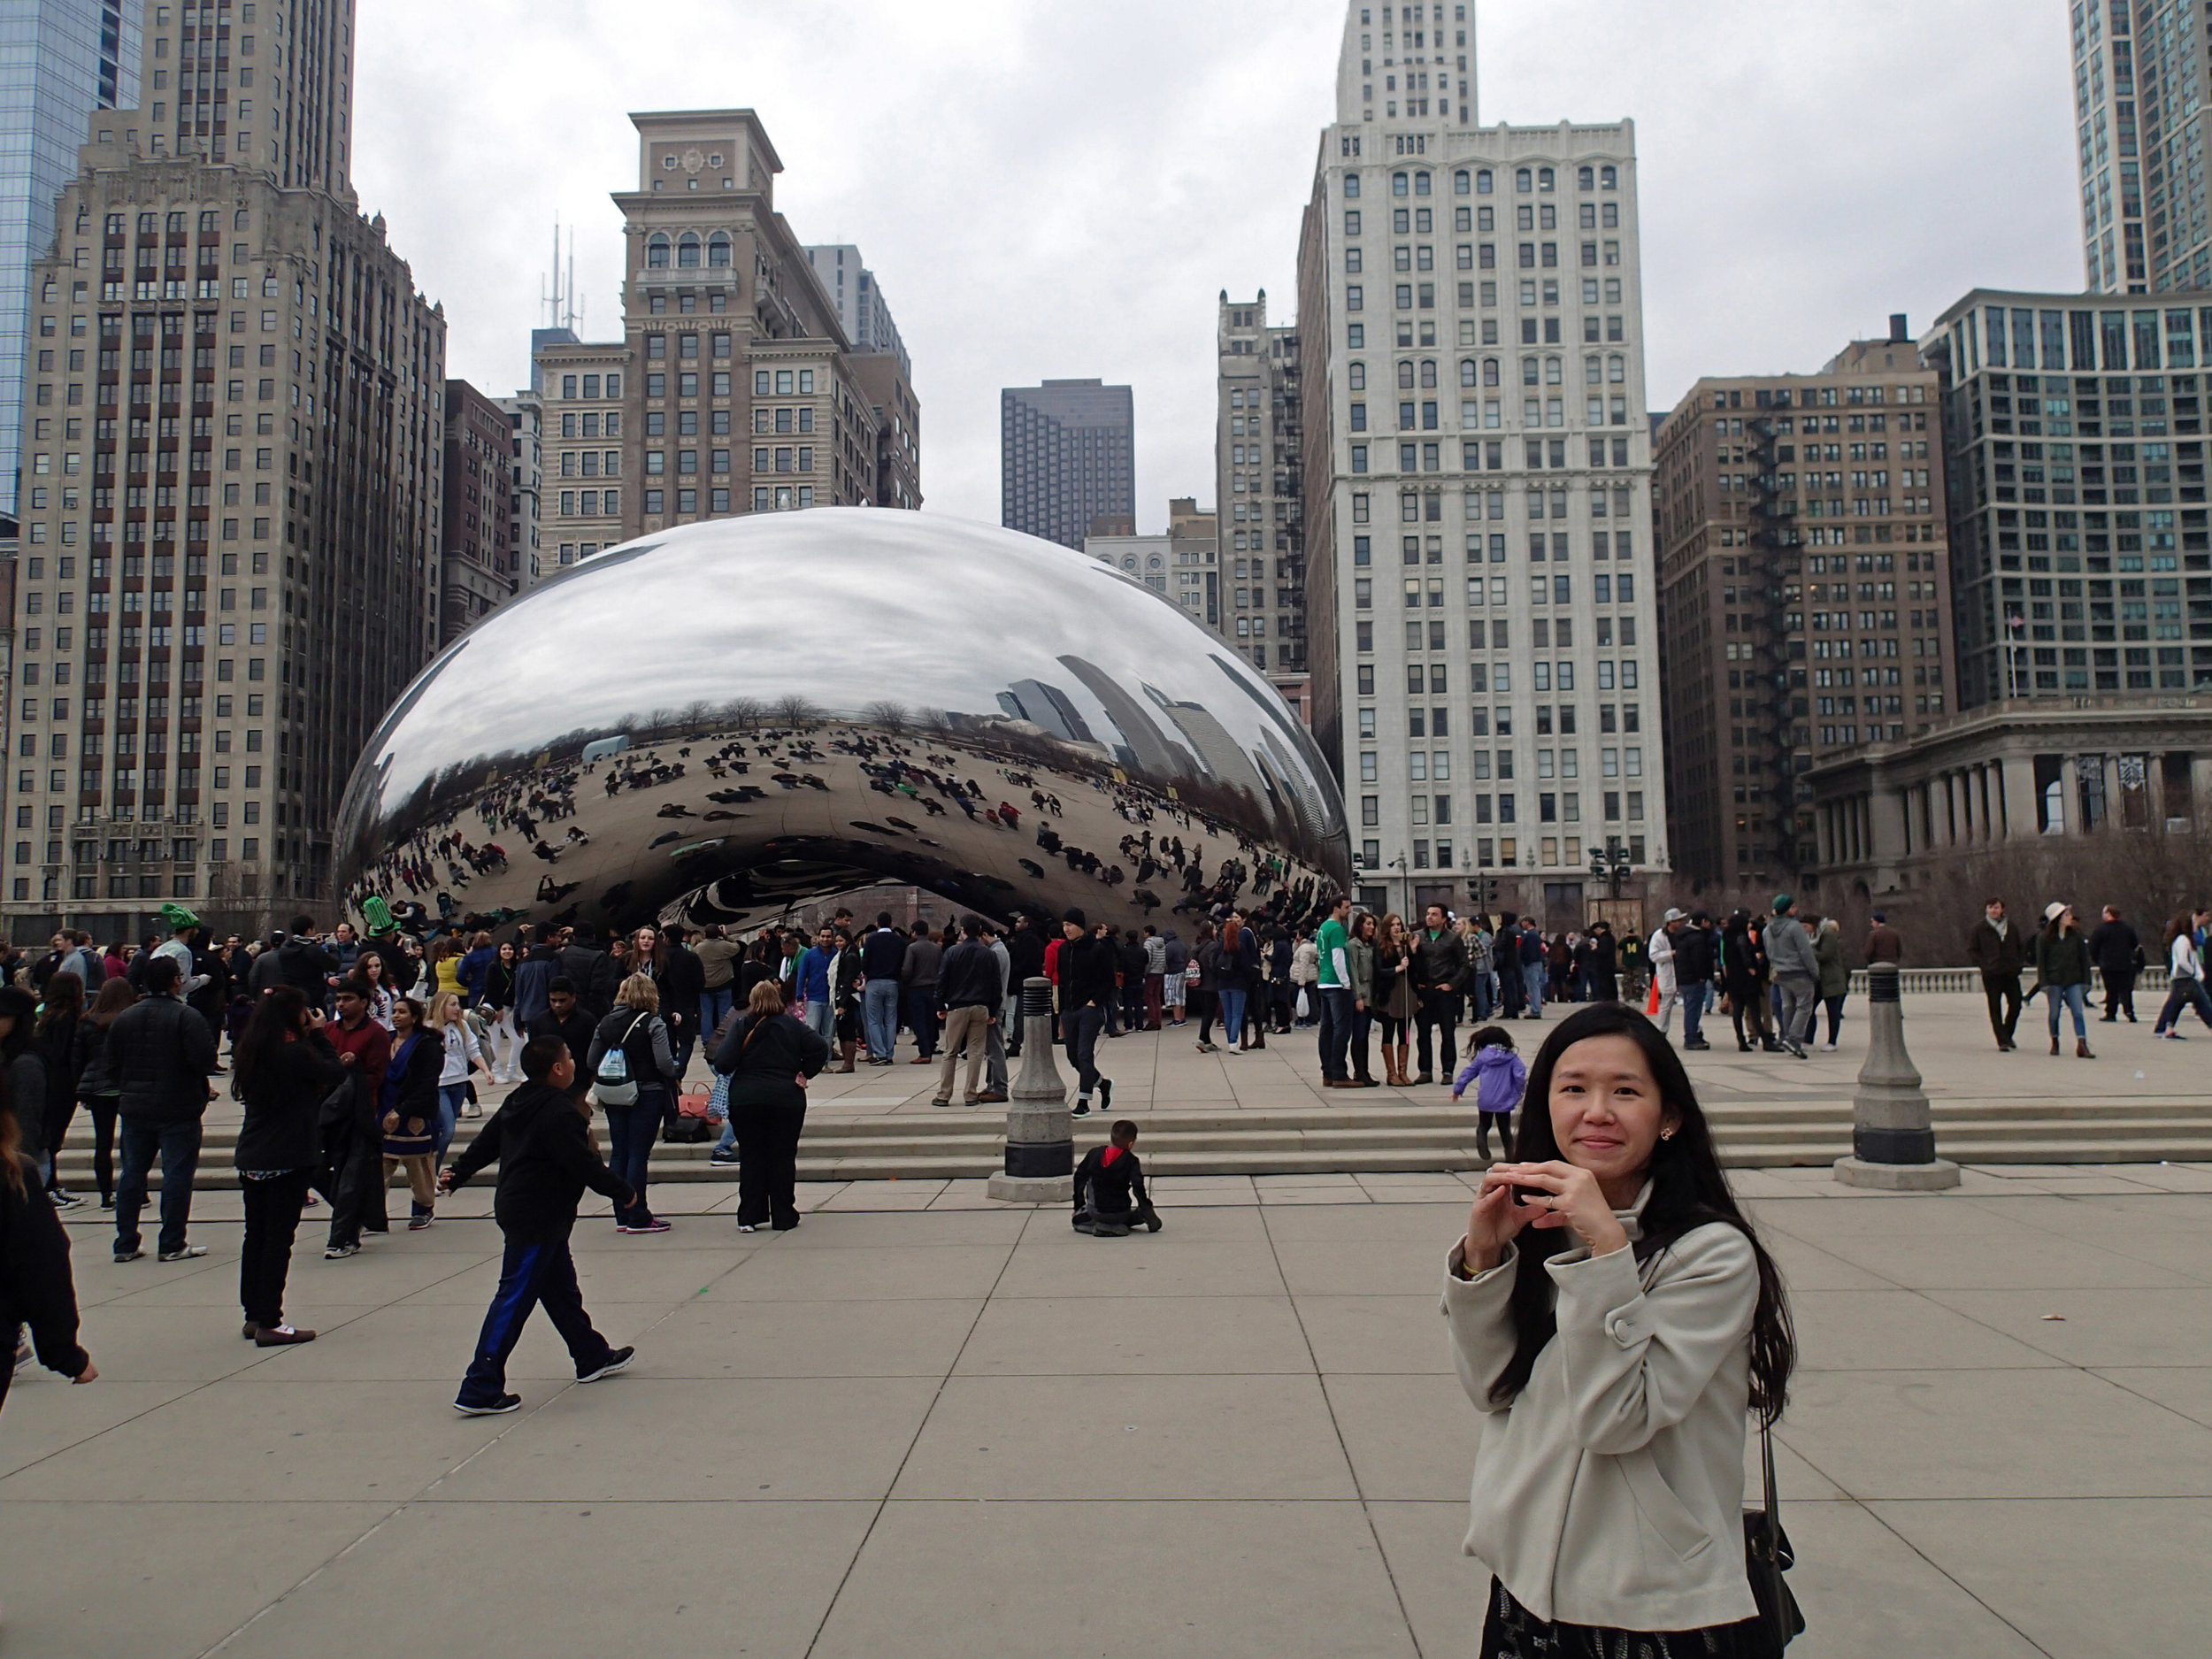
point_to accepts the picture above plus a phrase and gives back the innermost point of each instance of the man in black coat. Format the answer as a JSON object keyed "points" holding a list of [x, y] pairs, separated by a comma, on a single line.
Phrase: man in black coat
{"points": [[163, 1053], [2115, 949], [593, 975], [1026, 961], [1696, 959], [299, 961], [2000, 950], [539, 1138], [1088, 968], [682, 979], [566, 1018]]}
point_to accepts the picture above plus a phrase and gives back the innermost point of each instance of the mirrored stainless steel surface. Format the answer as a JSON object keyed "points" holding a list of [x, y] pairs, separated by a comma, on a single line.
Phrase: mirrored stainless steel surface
{"points": [[723, 721]]}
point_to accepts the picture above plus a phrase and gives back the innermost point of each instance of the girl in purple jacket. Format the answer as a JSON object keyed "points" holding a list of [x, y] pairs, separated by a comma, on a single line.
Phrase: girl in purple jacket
{"points": [[1491, 1059]]}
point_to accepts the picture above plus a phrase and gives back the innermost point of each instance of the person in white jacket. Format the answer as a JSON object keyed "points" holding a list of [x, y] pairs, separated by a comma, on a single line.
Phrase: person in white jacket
{"points": [[1613, 1317], [1661, 951]]}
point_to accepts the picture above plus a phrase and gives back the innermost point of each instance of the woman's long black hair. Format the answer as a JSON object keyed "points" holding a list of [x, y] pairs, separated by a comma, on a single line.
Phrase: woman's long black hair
{"points": [[275, 1022], [1688, 1190]]}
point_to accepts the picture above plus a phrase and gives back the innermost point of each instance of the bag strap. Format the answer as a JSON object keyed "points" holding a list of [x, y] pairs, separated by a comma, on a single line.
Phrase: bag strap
{"points": [[1772, 1565]]}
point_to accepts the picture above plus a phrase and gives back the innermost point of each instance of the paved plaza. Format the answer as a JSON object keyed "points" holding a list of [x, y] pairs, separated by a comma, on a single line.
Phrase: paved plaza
{"points": [[928, 1424]]}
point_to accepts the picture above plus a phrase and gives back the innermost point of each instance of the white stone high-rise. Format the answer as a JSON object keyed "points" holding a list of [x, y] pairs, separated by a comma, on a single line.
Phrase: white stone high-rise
{"points": [[1482, 624]]}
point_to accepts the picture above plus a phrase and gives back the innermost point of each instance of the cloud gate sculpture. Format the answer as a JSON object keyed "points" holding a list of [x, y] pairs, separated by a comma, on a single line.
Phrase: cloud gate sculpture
{"points": [[722, 722]]}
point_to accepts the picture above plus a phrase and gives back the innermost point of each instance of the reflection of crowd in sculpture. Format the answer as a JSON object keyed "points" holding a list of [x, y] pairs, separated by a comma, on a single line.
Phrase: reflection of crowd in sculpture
{"points": [[931, 771]]}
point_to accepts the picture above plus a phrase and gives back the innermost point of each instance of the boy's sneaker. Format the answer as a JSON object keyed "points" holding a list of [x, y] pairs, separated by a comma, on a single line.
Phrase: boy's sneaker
{"points": [[498, 1407], [1082, 1109], [190, 1253], [619, 1359]]}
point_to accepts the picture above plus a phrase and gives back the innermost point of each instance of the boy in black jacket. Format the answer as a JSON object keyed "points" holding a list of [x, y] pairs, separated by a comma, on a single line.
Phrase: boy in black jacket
{"points": [[1109, 1193], [545, 1161]]}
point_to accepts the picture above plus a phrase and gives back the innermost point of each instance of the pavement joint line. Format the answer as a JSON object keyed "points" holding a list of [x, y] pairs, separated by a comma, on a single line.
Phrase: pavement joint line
{"points": [[425, 1494], [1328, 1401], [829, 1608]]}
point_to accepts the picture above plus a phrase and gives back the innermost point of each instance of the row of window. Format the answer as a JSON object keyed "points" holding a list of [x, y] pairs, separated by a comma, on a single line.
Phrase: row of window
{"points": [[1507, 856], [1421, 221], [1482, 180]]}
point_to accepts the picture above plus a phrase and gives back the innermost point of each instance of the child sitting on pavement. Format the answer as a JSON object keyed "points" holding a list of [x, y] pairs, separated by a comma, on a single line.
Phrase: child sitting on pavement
{"points": [[1110, 1194], [1490, 1058]]}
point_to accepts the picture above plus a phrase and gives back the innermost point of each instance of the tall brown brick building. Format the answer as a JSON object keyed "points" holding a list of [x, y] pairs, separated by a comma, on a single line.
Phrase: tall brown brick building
{"points": [[1804, 593], [480, 563]]}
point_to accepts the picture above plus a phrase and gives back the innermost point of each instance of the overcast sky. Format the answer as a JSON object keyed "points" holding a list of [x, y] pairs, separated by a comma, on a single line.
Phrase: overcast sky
{"points": [[1063, 189]]}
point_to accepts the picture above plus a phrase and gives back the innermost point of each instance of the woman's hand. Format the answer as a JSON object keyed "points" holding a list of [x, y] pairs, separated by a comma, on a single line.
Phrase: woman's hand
{"points": [[1494, 1221], [1567, 1196], [391, 1122]]}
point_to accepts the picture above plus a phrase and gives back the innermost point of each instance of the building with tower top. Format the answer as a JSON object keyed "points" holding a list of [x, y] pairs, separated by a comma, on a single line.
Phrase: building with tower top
{"points": [[1480, 608]]}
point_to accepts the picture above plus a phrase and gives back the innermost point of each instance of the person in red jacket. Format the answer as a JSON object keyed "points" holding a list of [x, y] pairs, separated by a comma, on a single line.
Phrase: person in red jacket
{"points": [[353, 1146]]}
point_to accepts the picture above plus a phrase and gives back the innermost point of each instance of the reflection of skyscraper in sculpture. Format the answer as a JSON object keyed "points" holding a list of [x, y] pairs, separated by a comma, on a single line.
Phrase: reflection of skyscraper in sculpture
{"points": [[1281, 766], [1144, 748], [1046, 706], [1219, 752]]}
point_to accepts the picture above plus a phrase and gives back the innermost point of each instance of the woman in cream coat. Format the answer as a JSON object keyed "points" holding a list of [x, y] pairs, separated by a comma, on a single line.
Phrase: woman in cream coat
{"points": [[1613, 1319]]}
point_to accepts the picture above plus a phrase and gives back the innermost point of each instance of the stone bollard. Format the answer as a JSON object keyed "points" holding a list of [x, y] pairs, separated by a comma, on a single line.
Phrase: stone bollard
{"points": [[1040, 1135], [1893, 1138]]}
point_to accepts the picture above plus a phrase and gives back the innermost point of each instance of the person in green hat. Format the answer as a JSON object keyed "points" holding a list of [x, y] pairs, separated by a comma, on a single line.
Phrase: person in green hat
{"points": [[1796, 972]]}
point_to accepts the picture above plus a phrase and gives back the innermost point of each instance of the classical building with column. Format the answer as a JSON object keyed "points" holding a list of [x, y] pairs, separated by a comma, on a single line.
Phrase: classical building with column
{"points": [[1903, 817]]}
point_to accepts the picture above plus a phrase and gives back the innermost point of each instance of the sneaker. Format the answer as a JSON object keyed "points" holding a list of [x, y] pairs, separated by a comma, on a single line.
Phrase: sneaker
{"points": [[498, 1407], [618, 1360], [122, 1256], [67, 1200], [280, 1336], [941, 1103], [107, 1201], [190, 1253], [1827, 1047], [723, 1159], [415, 1223], [748, 1227], [1700, 1043], [2169, 1036], [655, 1226], [1082, 1109], [1105, 1094], [339, 1252]]}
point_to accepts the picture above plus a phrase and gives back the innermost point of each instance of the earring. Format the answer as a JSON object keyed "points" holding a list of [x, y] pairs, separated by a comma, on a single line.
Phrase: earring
{"points": [[1666, 1134]]}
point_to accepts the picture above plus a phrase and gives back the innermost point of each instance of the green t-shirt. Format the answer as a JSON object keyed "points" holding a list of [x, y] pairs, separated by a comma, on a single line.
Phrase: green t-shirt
{"points": [[1328, 941]]}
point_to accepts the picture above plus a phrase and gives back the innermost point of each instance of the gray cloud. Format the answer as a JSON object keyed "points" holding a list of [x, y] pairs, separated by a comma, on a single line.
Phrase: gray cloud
{"points": [[1063, 189]]}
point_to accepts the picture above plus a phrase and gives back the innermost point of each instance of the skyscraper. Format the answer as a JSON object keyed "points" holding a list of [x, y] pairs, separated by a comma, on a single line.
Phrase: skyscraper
{"points": [[481, 562], [1806, 595], [59, 61], [861, 309], [2140, 71], [1067, 456], [233, 466], [1476, 481], [1258, 475], [734, 388]]}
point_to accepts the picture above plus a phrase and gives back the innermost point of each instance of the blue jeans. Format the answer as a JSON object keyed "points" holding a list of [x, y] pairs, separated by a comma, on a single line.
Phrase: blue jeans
{"points": [[1231, 1016], [178, 1147], [1693, 999], [2073, 996], [714, 1007], [1082, 1026], [1336, 1031], [451, 1098], [532, 1276], [821, 1019], [631, 1132], [1534, 976], [880, 1016]]}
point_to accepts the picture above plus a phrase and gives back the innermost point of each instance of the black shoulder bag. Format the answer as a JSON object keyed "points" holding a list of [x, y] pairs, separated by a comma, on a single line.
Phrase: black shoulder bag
{"points": [[1767, 1557]]}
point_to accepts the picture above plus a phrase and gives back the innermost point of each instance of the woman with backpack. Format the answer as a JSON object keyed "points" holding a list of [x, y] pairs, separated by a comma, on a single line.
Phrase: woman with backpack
{"points": [[1201, 985], [768, 1055], [99, 1083], [633, 1069], [1613, 1319]]}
